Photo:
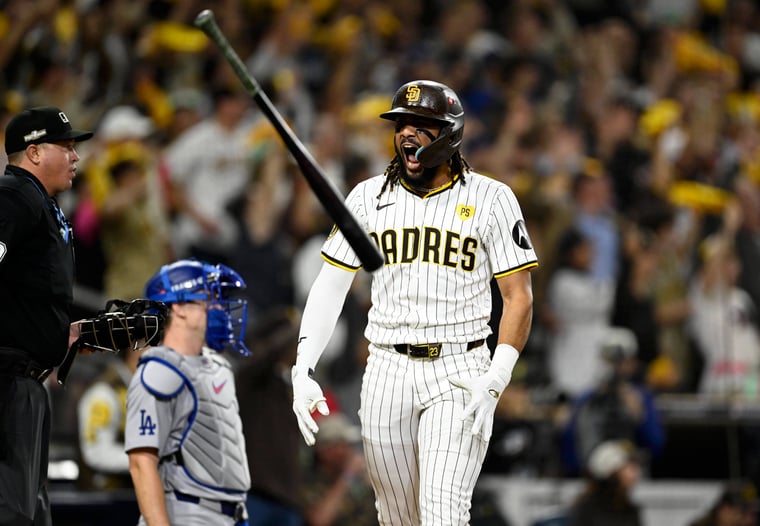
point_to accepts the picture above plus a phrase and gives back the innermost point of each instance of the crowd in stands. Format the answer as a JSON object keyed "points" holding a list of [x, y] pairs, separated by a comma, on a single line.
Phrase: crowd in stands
{"points": [[630, 132]]}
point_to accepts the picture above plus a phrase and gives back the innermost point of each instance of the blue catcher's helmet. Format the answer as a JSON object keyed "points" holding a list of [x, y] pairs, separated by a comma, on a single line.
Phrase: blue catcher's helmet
{"points": [[193, 280]]}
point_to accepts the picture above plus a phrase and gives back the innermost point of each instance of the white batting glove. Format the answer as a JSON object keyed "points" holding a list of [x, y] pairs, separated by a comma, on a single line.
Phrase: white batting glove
{"points": [[485, 390], [307, 397]]}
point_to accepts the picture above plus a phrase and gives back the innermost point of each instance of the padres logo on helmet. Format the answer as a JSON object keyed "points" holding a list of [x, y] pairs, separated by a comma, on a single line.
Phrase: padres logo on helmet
{"points": [[412, 93]]}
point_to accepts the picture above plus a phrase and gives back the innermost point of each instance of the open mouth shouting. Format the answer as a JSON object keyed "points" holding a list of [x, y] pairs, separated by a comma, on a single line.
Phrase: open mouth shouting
{"points": [[408, 152]]}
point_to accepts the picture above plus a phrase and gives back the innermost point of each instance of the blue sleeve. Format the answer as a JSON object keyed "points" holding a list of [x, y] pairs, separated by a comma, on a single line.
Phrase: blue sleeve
{"points": [[651, 432], [568, 447]]}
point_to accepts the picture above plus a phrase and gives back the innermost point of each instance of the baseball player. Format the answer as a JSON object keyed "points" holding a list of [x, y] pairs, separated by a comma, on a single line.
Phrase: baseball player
{"points": [[183, 432], [431, 385]]}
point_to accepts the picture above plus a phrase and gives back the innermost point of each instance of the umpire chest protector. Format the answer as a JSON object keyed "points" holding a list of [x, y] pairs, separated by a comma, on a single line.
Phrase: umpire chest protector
{"points": [[212, 447]]}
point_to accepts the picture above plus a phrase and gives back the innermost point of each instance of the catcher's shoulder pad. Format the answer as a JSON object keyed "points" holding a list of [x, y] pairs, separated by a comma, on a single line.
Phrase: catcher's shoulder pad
{"points": [[160, 373]]}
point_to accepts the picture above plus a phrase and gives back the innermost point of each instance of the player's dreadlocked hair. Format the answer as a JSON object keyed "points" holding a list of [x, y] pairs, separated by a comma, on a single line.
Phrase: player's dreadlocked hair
{"points": [[457, 163]]}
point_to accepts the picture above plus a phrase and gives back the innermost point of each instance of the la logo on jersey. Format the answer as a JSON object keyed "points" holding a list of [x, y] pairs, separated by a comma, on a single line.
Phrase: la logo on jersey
{"points": [[147, 427]]}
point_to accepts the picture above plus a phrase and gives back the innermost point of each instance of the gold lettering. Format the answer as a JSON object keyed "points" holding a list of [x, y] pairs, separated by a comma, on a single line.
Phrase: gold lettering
{"points": [[432, 245], [469, 246], [389, 247], [450, 249], [410, 243]]}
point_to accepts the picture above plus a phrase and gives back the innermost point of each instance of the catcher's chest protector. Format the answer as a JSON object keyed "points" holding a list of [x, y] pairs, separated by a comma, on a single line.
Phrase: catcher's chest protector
{"points": [[212, 446]]}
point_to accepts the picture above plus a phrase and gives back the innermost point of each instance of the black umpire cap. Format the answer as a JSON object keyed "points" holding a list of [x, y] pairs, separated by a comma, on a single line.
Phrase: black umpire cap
{"points": [[38, 125]]}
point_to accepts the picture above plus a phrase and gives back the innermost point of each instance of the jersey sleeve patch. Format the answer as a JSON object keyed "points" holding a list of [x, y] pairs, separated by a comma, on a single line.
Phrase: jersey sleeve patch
{"points": [[161, 378]]}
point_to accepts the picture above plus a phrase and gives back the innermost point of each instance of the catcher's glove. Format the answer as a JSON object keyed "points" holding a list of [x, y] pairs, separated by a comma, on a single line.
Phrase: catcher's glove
{"points": [[121, 326], [124, 326]]}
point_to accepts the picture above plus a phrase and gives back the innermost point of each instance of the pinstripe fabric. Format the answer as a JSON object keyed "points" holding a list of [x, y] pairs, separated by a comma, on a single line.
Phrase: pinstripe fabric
{"points": [[410, 417], [464, 236]]}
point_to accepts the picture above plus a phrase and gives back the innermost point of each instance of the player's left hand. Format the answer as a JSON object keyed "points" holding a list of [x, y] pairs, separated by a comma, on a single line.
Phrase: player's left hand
{"points": [[484, 395], [485, 390]]}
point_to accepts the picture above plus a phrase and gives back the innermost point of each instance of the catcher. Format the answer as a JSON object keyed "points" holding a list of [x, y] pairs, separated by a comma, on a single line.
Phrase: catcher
{"points": [[183, 433]]}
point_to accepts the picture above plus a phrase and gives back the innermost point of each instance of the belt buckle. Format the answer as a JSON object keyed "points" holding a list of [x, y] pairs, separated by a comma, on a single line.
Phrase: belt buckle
{"points": [[425, 350]]}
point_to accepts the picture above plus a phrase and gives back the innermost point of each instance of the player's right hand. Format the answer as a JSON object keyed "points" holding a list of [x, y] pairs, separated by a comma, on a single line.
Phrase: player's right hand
{"points": [[307, 397]]}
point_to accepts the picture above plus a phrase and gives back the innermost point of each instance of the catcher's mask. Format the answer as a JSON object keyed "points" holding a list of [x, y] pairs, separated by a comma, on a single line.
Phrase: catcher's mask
{"points": [[435, 101], [193, 280]]}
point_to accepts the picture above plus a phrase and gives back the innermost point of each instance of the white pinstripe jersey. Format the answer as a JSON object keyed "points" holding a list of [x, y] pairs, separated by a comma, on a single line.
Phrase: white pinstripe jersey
{"points": [[441, 252]]}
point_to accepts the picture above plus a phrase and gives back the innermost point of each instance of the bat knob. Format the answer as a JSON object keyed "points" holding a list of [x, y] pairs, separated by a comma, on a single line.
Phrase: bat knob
{"points": [[204, 18]]}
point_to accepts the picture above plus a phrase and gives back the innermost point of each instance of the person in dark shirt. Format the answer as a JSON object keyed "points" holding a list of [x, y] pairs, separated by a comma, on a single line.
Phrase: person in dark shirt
{"points": [[36, 294], [611, 471], [620, 406]]}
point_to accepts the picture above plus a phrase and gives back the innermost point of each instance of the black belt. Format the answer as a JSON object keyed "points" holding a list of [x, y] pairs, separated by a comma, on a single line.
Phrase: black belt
{"points": [[429, 350], [18, 364], [229, 508]]}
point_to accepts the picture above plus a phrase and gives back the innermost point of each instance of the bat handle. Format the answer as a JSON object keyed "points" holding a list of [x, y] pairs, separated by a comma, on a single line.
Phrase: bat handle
{"points": [[206, 22]]}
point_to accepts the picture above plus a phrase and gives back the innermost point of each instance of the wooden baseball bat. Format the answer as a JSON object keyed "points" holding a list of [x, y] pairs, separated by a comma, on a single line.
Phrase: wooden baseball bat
{"points": [[323, 188]]}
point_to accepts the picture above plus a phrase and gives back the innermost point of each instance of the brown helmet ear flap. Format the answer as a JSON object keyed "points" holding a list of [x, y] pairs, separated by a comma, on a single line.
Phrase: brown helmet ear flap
{"points": [[440, 150]]}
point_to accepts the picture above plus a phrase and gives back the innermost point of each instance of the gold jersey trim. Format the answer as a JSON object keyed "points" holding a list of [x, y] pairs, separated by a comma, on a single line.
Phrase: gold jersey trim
{"points": [[339, 264], [526, 266], [434, 191]]}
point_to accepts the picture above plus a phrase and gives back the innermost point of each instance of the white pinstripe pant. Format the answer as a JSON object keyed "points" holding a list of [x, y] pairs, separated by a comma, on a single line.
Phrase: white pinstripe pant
{"points": [[422, 460]]}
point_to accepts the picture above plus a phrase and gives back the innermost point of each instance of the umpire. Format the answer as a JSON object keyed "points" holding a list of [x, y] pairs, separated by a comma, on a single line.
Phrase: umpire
{"points": [[36, 293]]}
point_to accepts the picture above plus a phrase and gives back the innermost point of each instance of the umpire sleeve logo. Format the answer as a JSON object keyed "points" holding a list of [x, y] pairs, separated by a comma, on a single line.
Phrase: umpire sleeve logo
{"points": [[3, 250], [520, 235]]}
